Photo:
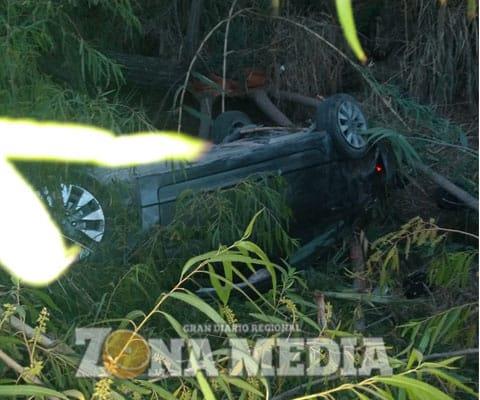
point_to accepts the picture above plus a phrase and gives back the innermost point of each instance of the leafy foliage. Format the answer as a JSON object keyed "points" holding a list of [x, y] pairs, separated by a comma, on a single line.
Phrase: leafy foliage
{"points": [[452, 270], [54, 67], [36, 37], [385, 253], [445, 327]]}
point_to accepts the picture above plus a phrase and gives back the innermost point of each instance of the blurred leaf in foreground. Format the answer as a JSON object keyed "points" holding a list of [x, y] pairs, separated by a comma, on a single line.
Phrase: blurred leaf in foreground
{"points": [[345, 16], [471, 9], [31, 247]]}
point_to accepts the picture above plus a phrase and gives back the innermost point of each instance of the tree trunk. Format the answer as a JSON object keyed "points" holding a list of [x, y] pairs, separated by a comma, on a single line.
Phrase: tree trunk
{"points": [[193, 29], [148, 71]]}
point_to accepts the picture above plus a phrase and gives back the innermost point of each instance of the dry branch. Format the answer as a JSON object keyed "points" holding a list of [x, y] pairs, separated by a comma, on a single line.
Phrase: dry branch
{"points": [[450, 187], [295, 98], [12, 364], [42, 340], [263, 102]]}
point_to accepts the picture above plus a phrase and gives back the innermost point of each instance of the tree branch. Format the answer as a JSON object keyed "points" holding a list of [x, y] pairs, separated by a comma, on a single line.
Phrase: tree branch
{"points": [[450, 187]]}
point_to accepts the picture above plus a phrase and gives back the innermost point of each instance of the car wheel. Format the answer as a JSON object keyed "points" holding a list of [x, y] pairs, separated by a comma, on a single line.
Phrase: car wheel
{"points": [[226, 123], [341, 117], [79, 212]]}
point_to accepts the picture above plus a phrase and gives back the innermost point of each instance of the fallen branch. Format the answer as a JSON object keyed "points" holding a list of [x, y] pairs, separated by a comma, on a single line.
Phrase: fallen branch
{"points": [[295, 98], [263, 102], [369, 298], [12, 364], [450, 187], [457, 353], [42, 339]]}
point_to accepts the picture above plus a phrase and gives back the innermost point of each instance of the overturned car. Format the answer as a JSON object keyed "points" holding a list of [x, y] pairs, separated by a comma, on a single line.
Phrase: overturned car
{"points": [[330, 169]]}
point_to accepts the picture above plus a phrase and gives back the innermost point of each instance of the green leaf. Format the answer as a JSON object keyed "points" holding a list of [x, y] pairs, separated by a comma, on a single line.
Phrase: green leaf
{"points": [[422, 389], [437, 331], [345, 16], [207, 81], [309, 321], [29, 390], [175, 325], [360, 395], [240, 383], [450, 379], [252, 247], [130, 317], [134, 387], [223, 291], [415, 356], [165, 394], [269, 319], [197, 260], [197, 114], [443, 363], [76, 394], [199, 304], [45, 298], [204, 386], [249, 230]]}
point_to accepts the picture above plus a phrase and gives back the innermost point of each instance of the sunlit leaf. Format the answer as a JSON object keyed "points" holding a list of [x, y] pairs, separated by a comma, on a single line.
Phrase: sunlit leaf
{"points": [[30, 140], [32, 248]]}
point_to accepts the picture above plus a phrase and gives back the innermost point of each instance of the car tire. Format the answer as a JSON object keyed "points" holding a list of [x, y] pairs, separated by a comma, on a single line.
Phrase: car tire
{"points": [[226, 123], [342, 118]]}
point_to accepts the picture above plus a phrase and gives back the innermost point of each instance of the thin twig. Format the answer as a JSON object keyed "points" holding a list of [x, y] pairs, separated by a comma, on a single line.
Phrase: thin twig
{"points": [[194, 59], [12, 364], [289, 394], [456, 353], [456, 231], [344, 56], [225, 46]]}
